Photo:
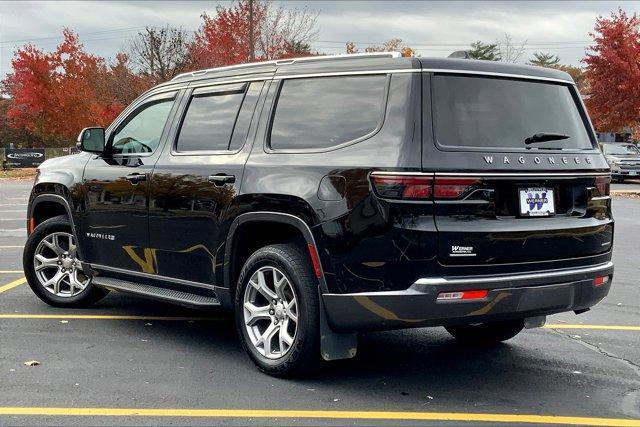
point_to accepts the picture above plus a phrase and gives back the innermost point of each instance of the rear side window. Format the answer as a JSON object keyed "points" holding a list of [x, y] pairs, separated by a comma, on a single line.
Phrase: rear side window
{"points": [[481, 112], [320, 113], [209, 121]]}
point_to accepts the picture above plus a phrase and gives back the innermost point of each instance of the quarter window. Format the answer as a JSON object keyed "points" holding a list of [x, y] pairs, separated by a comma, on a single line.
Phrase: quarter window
{"points": [[209, 121], [320, 113]]}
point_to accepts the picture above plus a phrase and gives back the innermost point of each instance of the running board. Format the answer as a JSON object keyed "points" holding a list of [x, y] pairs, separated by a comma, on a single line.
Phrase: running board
{"points": [[155, 292]]}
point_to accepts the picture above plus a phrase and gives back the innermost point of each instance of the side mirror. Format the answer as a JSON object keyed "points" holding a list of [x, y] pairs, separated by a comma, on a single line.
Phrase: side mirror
{"points": [[91, 140]]}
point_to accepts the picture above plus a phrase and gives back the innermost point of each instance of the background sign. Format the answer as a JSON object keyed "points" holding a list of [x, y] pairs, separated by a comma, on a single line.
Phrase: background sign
{"points": [[24, 157]]}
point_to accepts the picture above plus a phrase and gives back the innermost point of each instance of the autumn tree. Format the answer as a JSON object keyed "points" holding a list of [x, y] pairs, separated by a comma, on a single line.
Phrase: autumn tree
{"points": [[159, 54], [285, 33], [542, 59], [484, 51], [613, 72], [224, 38], [391, 45], [55, 94], [578, 75]]}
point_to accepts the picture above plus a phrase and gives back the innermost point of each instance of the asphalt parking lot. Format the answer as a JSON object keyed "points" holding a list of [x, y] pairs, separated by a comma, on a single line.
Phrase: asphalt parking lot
{"points": [[129, 361]]}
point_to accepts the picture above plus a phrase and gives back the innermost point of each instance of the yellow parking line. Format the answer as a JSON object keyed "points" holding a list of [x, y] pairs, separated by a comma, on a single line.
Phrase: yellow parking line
{"points": [[11, 272], [13, 284], [100, 317], [595, 327], [307, 414]]}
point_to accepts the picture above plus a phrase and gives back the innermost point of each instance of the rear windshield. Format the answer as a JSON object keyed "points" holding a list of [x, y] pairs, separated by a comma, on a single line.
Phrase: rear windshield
{"points": [[620, 150], [482, 112]]}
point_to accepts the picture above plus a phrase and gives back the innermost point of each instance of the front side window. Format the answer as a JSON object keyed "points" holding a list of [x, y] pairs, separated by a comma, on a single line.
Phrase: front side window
{"points": [[142, 129], [209, 121], [320, 113], [483, 112]]}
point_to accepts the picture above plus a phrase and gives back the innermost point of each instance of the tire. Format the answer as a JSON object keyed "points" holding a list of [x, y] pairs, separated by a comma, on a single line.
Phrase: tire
{"points": [[274, 262], [486, 333], [84, 293]]}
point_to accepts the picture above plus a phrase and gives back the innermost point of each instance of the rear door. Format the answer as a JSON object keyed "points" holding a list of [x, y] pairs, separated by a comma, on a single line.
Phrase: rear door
{"points": [[517, 176], [197, 178]]}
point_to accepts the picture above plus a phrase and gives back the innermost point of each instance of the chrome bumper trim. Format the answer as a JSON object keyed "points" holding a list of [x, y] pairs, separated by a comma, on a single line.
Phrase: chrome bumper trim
{"points": [[513, 277]]}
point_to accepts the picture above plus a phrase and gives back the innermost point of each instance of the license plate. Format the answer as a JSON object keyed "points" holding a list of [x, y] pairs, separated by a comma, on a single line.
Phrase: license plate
{"points": [[537, 201], [633, 173]]}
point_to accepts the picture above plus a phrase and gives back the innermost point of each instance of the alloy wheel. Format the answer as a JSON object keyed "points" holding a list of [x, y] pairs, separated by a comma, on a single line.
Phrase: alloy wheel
{"points": [[57, 266], [270, 312]]}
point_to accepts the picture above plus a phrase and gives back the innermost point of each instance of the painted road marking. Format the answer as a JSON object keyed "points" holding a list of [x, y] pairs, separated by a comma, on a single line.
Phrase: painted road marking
{"points": [[12, 219], [11, 247], [101, 317], [13, 284], [11, 272], [595, 327], [307, 414]]}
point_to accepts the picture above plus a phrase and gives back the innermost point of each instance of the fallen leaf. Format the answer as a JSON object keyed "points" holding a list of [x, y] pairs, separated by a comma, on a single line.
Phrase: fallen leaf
{"points": [[31, 363], [64, 321]]}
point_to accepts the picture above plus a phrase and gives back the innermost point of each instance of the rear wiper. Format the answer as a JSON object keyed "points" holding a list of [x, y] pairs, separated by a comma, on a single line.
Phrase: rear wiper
{"points": [[544, 137]]}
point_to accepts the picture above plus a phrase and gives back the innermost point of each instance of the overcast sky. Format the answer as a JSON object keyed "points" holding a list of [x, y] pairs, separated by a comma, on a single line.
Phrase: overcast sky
{"points": [[432, 28]]}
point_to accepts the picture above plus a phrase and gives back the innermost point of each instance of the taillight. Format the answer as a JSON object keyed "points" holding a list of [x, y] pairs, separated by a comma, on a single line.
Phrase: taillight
{"points": [[453, 188], [603, 185], [599, 281], [403, 187], [417, 187]]}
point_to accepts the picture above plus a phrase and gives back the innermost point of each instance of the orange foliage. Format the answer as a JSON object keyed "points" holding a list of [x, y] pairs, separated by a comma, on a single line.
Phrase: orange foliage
{"points": [[613, 72], [56, 94]]}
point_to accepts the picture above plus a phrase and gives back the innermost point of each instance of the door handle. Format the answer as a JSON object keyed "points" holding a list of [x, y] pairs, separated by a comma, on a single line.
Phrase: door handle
{"points": [[222, 179], [135, 178]]}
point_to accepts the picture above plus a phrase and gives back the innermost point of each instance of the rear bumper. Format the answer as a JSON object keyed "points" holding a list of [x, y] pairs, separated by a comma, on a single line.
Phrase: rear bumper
{"points": [[510, 296]]}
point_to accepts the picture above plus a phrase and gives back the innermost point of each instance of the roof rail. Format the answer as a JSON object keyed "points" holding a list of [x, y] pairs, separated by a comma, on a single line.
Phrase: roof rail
{"points": [[292, 61]]}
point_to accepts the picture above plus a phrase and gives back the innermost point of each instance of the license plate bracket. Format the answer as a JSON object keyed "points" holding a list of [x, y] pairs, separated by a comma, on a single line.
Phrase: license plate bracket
{"points": [[537, 202]]}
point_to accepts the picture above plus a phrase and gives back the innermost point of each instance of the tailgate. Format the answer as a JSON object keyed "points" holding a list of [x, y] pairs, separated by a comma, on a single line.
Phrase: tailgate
{"points": [[491, 223]]}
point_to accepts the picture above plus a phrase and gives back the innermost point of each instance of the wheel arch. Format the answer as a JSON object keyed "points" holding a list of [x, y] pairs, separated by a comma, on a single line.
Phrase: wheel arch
{"points": [[289, 224], [333, 345], [44, 206]]}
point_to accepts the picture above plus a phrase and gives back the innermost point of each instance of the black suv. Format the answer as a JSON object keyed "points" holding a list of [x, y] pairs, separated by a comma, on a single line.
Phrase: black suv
{"points": [[323, 196]]}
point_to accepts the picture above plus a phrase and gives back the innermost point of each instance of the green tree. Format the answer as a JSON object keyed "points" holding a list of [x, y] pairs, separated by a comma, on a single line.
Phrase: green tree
{"points": [[542, 59], [485, 51]]}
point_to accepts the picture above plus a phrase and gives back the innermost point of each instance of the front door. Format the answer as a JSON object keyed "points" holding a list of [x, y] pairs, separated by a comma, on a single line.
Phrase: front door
{"points": [[113, 231], [197, 179]]}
